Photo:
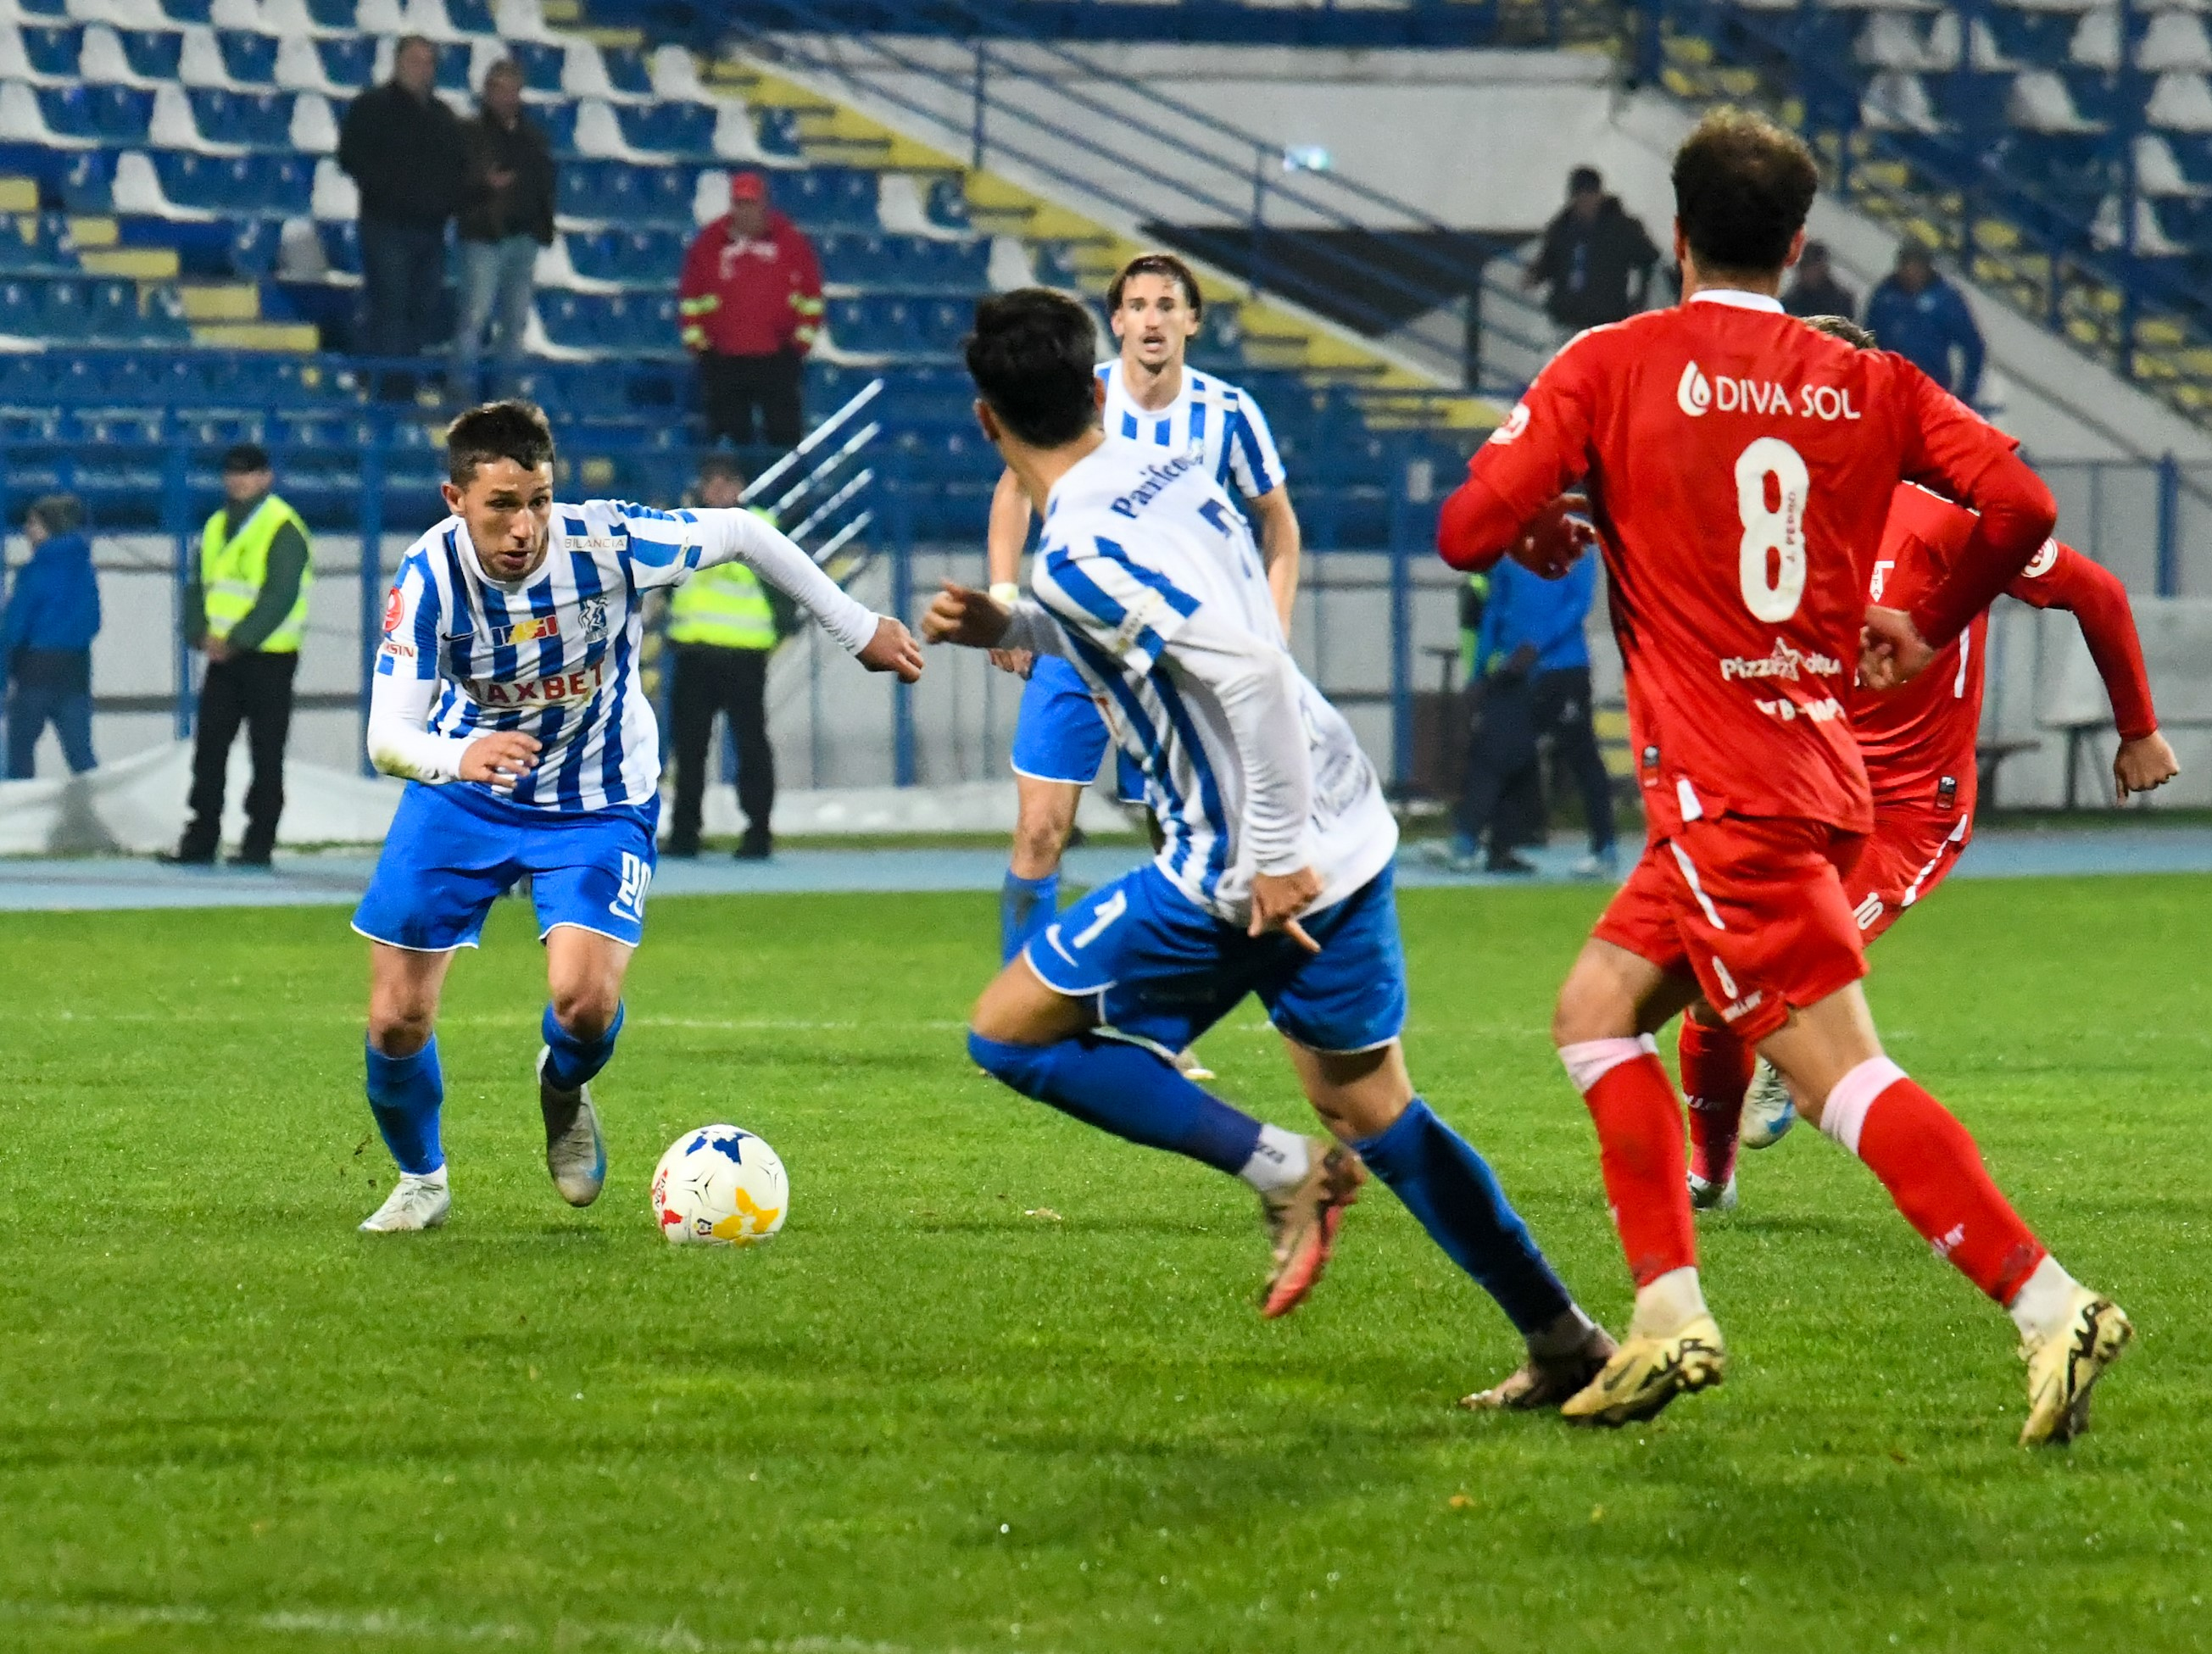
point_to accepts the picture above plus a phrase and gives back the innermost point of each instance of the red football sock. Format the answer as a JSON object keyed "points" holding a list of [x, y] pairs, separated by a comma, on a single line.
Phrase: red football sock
{"points": [[1639, 1136], [1928, 1163], [1716, 1074]]}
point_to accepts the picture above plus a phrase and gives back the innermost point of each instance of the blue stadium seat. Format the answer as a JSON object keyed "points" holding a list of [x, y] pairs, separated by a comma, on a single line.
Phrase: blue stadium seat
{"points": [[581, 190], [254, 245], [626, 69], [454, 69], [333, 13], [639, 256], [948, 205], [777, 132], [85, 181], [569, 318], [249, 59], [830, 197], [122, 114], [187, 11], [67, 314], [559, 121], [542, 62], [676, 129], [69, 111], [1974, 103], [56, 9], [260, 119], [153, 53], [348, 61], [51, 48], [196, 181], [471, 16], [341, 245], [22, 311]]}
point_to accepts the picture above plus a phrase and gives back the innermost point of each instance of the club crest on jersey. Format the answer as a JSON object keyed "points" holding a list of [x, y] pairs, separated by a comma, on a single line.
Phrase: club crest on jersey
{"points": [[1515, 423], [395, 610], [2043, 561], [1697, 396], [1784, 662], [562, 689], [592, 613], [529, 631]]}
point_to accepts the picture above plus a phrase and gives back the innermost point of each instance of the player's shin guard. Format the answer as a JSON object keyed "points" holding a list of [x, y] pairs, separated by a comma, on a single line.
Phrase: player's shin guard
{"points": [[570, 1062], [1127, 1090], [1639, 1138], [1928, 1163], [405, 1094], [1716, 1074], [1026, 906], [1452, 1191]]}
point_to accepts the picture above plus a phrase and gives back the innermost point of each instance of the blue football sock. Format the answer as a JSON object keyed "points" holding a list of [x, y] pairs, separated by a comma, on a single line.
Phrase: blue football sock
{"points": [[1026, 906], [405, 1094], [1454, 1194], [570, 1062], [1127, 1090]]}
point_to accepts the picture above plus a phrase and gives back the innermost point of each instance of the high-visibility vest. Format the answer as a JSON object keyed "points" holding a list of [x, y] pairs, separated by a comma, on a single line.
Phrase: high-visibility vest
{"points": [[724, 606], [233, 572]]}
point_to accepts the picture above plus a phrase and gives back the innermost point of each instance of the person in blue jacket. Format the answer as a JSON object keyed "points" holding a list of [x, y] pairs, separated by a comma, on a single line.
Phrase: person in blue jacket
{"points": [[1916, 313], [45, 637], [1533, 665]]}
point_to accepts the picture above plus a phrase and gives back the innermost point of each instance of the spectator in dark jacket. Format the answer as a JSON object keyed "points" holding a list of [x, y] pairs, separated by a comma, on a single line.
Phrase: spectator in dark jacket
{"points": [[1921, 317], [506, 215], [1816, 292], [1597, 259], [402, 147], [45, 637]]}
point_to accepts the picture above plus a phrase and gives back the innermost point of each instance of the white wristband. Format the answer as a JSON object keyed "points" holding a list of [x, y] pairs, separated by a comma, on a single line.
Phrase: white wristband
{"points": [[1006, 593]]}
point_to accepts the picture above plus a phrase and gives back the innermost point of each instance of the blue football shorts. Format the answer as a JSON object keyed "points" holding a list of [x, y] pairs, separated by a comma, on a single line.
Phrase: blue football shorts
{"points": [[1165, 970], [453, 850], [1059, 734]]}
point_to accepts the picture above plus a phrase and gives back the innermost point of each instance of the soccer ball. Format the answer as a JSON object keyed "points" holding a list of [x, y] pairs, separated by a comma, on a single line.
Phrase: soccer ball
{"points": [[720, 1186]]}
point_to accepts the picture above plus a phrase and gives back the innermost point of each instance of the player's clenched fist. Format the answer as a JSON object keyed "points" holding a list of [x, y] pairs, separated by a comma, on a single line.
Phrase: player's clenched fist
{"points": [[1554, 540], [892, 650], [500, 760], [962, 615], [1892, 652], [2142, 763]]}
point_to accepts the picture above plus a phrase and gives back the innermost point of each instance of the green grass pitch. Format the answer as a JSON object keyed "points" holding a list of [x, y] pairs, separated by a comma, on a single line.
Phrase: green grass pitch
{"points": [[999, 1383]]}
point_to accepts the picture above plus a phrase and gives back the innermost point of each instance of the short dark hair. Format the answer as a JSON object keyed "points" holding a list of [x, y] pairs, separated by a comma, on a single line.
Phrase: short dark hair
{"points": [[1844, 328], [406, 41], [498, 430], [1158, 264], [1584, 180], [57, 513], [725, 467], [1033, 357], [243, 456], [1742, 187], [506, 69]]}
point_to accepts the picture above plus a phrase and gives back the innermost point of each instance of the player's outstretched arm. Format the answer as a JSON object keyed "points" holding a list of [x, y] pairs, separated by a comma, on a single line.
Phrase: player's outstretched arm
{"points": [[2061, 578], [879, 642], [982, 620]]}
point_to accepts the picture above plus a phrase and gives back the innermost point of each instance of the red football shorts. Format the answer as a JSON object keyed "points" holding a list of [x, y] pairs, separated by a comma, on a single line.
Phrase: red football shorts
{"points": [[1753, 906], [1912, 850]]}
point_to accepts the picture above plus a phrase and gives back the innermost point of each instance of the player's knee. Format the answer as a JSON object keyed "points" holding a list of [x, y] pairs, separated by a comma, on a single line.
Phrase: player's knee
{"points": [[586, 1009], [1022, 1066], [399, 1027], [1585, 1011], [1038, 841]]}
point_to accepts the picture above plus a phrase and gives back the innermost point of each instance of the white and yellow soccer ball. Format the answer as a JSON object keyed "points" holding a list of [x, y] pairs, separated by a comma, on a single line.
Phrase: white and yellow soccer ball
{"points": [[720, 1186]]}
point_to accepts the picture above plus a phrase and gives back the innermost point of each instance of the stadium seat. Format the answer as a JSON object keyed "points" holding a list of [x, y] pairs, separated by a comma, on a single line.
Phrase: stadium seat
{"points": [[249, 59], [2175, 41], [41, 52], [670, 128], [47, 117], [312, 128], [1897, 102], [2180, 103], [541, 61]]}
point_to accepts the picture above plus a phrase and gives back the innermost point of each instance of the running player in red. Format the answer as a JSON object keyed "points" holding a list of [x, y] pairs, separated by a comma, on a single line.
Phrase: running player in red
{"points": [[1919, 743], [1738, 466]]}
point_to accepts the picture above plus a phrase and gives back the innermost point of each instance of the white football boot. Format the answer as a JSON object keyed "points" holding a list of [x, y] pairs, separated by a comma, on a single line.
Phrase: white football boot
{"points": [[1712, 1197], [1768, 1113], [574, 1152], [414, 1203]]}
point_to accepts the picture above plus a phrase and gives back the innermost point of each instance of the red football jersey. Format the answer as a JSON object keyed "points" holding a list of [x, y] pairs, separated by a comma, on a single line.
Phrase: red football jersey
{"points": [[1915, 738], [1738, 466]]}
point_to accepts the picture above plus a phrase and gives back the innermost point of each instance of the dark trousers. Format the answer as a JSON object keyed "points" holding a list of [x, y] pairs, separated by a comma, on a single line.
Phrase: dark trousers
{"points": [[734, 683], [1560, 705], [254, 689], [31, 708], [1502, 798], [754, 401], [403, 280]]}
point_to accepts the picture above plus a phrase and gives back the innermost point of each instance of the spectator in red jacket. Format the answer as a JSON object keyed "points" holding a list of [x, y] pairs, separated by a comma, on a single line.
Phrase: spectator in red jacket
{"points": [[751, 304]]}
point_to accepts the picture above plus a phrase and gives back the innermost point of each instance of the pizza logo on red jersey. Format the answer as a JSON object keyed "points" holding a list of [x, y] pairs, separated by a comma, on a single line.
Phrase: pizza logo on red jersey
{"points": [[395, 610], [1784, 662], [1515, 423], [2043, 561], [1695, 395]]}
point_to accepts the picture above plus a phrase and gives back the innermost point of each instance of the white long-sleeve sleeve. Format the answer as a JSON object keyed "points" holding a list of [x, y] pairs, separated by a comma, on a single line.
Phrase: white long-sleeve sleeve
{"points": [[1033, 627], [735, 535], [1256, 687], [399, 740]]}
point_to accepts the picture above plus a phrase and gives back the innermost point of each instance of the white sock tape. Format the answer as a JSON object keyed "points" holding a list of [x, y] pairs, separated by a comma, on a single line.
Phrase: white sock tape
{"points": [[1590, 1061], [1843, 1116]]}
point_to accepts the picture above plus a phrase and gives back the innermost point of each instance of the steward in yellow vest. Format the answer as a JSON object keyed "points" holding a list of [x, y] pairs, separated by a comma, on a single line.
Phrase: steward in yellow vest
{"points": [[723, 626], [246, 609]]}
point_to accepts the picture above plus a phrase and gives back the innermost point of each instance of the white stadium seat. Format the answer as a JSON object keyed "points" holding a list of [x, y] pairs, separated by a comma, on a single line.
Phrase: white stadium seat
{"points": [[336, 199], [1896, 103], [2039, 102], [2096, 43], [521, 20], [380, 17], [299, 67], [735, 137], [555, 269], [314, 129], [16, 63], [484, 53], [286, 19], [100, 62], [237, 14], [428, 18], [675, 75], [710, 196], [584, 75], [201, 62], [2151, 241], [137, 192], [2157, 172], [300, 254], [1890, 41], [120, 14], [2180, 103], [2175, 39]]}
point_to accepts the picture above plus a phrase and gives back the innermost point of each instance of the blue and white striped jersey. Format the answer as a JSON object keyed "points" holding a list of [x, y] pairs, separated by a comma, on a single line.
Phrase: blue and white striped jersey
{"points": [[555, 656], [1148, 582], [1222, 422]]}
